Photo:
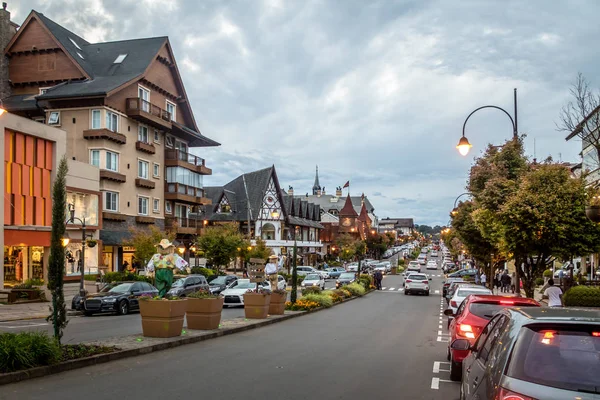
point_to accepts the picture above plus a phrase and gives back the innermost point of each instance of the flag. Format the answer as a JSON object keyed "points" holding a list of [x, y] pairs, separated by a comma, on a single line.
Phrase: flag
{"points": [[346, 185]]}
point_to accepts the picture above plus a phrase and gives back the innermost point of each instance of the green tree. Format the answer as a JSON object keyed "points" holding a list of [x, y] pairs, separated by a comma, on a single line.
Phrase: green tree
{"points": [[220, 243], [56, 262], [144, 240], [345, 244], [259, 250], [376, 245]]}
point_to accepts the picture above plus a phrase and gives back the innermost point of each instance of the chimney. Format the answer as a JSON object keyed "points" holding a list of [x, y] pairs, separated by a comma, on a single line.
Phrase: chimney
{"points": [[319, 193], [290, 191], [323, 190], [7, 31], [338, 191]]}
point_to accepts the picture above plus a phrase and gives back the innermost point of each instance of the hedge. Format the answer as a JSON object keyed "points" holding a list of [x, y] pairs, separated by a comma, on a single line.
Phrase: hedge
{"points": [[125, 276], [582, 296], [548, 273]]}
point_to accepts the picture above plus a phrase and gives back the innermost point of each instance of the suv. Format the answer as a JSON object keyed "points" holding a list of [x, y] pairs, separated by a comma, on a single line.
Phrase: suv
{"points": [[221, 283], [190, 284], [416, 283], [414, 266]]}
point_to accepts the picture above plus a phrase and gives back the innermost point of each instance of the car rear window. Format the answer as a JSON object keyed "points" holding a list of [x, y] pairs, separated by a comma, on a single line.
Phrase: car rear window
{"points": [[565, 357], [487, 310], [417, 277], [466, 292]]}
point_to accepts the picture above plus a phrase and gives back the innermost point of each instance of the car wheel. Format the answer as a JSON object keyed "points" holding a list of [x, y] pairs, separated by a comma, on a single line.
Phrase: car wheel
{"points": [[406, 292], [427, 293], [449, 356], [123, 308], [455, 371]]}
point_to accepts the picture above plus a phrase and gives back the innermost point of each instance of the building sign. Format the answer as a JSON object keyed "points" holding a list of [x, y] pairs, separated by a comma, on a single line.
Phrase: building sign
{"points": [[256, 270]]}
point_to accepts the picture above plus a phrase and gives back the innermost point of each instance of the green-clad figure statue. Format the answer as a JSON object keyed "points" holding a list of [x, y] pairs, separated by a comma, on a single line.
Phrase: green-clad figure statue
{"points": [[163, 263]]}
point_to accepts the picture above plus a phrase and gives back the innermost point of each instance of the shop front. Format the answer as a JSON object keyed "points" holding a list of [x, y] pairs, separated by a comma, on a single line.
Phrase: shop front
{"points": [[25, 256]]}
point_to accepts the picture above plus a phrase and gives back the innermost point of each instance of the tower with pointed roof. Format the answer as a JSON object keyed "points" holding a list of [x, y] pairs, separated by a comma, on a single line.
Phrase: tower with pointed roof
{"points": [[316, 189], [348, 217]]}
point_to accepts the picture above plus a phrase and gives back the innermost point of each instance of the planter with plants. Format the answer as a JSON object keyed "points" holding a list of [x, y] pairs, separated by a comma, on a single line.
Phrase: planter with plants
{"points": [[204, 310], [92, 243], [277, 304], [256, 303], [162, 317]]}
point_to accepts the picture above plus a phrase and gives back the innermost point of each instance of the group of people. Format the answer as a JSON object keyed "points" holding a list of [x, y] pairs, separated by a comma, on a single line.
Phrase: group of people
{"points": [[377, 278]]}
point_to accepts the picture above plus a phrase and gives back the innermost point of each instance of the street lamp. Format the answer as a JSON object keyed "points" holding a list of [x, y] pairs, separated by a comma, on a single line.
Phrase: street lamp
{"points": [[454, 209], [464, 146], [65, 241], [84, 236]]}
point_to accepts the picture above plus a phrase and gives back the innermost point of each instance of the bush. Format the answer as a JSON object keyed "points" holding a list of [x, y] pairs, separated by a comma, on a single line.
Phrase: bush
{"points": [[90, 278], [582, 296], [548, 273], [334, 264], [322, 299], [400, 269], [401, 263], [206, 272], [311, 290], [366, 280], [539, 281], [125, 276], [27, 350], [355, 289], [301, 305], [334, 294], [345, 292]]}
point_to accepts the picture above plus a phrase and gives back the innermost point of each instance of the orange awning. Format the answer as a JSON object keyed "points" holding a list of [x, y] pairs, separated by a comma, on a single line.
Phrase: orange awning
{"points": [[26, 238]]}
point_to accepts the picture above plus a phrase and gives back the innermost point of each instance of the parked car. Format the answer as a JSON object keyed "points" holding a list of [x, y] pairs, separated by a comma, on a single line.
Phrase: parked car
{"points": [[335, 272], [417, 283], [452, 288], [413, 266], [463, 272], [462, 292], [431, 265], [305, 270], [313, 280], [190, 284], [234, 295], [118, 298], [470, 319], [221, 283], [352, 267], [387, 265], [345, 279], [446, 284], [281, 283], [534, 353]]}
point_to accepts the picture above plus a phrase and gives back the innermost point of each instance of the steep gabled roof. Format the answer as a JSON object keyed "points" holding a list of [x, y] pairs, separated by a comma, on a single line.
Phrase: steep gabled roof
{"points": [[348, 209], [364, 216]]}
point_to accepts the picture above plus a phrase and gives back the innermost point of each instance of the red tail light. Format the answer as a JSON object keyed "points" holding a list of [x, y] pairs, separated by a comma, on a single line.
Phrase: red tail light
{"points": [[466, 331], [424, 281], [596, 334], [453, 303], [506, 394], [507, 302], [408, 281]]}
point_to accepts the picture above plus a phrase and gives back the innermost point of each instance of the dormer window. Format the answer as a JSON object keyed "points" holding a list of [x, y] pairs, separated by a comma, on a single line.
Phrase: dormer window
{"points": [[76, 45], [120, 59]]}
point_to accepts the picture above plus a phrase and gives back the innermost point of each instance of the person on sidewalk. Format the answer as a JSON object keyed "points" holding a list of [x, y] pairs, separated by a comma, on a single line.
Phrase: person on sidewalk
{"points": [[378, 276], [483, 279], [505, 280], [553, 294]]}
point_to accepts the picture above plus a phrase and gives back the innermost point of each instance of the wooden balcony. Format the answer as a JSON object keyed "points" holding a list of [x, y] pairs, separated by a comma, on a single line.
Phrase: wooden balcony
{"points": [[112, 176], [147, 113], [145, 183], [104, 134], [187, 226], [185, 194], [113, 216], [178, 158], [145, 147], [141, 219]]}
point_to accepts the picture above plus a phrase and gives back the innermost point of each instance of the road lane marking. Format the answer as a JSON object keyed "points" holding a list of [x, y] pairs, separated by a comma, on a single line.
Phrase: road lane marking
{"points": [[435, 383], [437, 292], [441, 339], [21, 326], [392, 288], [383, 288], [436, 366], [440, 326]]}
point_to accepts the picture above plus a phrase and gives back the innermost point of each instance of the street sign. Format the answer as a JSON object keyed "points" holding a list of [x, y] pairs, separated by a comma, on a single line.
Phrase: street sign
{"points": [[256, 270]]}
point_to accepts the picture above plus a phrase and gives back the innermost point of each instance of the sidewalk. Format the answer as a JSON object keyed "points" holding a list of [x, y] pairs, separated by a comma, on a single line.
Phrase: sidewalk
{"points": [[14, 312]]}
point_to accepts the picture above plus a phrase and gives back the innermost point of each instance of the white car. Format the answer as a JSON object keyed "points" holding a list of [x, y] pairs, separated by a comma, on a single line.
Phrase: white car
{"points": [[413, 266], [387, 265], [234, 294], [434, 253], [380, 267], [431, 265], [312, 280], [305, 270], [416, 283], [462, 292], [352, 267]]}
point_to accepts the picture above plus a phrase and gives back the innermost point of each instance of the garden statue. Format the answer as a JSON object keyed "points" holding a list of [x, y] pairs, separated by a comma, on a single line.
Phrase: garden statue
{"points": [[162, 264]]}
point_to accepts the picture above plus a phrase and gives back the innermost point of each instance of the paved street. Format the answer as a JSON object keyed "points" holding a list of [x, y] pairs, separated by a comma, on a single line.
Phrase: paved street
{"points": [[385, 345]]}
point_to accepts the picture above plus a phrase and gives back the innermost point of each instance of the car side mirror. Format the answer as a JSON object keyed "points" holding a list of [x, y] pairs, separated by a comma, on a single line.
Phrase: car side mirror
{"points": [[449, 312], [461, 344], [429, 278]]}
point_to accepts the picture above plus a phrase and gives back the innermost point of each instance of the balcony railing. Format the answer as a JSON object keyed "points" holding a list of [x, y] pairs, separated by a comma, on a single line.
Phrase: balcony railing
{"points": [[189, 194], [179, 158], [183, 225], [146, 112]]}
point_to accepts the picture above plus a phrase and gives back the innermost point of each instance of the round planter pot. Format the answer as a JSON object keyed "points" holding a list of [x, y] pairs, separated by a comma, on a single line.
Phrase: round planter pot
{"points": [[277, 304], [162, 318], [593, 213], [204, 314], [256, 305]]}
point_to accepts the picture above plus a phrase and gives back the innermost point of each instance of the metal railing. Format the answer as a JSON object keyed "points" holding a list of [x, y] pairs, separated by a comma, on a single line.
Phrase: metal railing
{"points": [[174, 154], [136, 103], [182, 222], [184, 189]]}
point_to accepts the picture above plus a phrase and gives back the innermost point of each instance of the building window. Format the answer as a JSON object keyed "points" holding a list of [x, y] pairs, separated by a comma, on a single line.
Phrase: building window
{"points": [[112, 121], [142, 169], [96, 119], [142, 205], [156, 136], [95, 158], [184, 176], [111, 201], [171, 109], [112, 161], [54, 118], [169, 141], [44, 90], [156, 205], [144, 94], [156, 170], [85, 205], [143, 134], [168, 208]]}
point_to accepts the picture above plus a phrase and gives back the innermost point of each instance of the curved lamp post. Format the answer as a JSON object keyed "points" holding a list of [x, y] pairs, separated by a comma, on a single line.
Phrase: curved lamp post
{"points": [[464, 146], [454, 210], [84, 237]]}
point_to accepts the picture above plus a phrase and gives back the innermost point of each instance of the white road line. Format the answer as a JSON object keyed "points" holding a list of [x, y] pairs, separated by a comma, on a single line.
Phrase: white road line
{"points": [[441, 339], [435, 383], [438, 292], [440, 333], [392, 288], [436, 367], [383, 288], [440, 326], [21, 326]]}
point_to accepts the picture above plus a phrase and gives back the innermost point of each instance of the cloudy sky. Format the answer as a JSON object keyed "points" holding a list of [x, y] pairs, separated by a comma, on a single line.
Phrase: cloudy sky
{"points": [[374, 92]]}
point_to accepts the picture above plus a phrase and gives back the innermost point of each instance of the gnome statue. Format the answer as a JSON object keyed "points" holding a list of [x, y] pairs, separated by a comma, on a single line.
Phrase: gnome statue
{"points": [[163, 263]]}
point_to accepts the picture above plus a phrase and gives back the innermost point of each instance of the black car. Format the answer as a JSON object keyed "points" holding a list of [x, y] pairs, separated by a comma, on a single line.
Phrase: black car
{"points": [[190, 284], [117, 298], [345, 278], [463, 272], [220, 283]]}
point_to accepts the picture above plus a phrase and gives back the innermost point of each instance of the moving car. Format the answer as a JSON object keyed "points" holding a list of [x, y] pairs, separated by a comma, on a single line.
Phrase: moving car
{"points": [[470, 319], [190, 284], [416, 283], [534, 353], [422, 259], [234, 295], [345, 279], [313, 280], [431, 265], [414, 266], [221, 283], [462, 292], [380, 267], [117, 298], [434, 253], [335, 272]]}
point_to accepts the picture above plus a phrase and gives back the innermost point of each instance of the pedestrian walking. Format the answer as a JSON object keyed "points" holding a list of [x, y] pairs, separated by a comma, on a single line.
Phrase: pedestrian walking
{"points": [[505, 281], [513, 281], [378, 278], [483, 279], [553, 294]]}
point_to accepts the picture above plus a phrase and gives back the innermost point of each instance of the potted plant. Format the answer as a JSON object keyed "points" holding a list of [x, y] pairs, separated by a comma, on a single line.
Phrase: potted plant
{"points": [[203, 310], [92, 243], [256, 303], [277, 302], [162, 317], [592, 209]]}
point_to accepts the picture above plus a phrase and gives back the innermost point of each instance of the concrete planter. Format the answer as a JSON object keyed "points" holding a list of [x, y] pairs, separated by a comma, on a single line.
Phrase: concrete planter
{"points": [[204, 314], [256, 305], [277, 303], [162, 318], [394, 270]]}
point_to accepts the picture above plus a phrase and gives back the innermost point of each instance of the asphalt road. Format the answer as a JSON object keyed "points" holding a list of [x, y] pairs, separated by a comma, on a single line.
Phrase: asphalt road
{"points": [[382, 346]]}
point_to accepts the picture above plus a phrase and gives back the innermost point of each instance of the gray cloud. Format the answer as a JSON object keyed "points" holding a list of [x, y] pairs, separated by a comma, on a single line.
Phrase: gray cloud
{"points": [[373, 92]]}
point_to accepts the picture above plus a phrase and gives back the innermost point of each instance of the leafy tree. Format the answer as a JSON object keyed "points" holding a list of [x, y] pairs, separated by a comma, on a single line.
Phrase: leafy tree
{"points": [[144, 240], [345, 243], [56, 263], [220, 243], [376, 244], [259, 250]]}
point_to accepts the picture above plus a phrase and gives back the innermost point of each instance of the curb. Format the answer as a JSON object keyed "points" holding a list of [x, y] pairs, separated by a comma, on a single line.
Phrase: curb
{"points": [[39, 316], [38, 372]]}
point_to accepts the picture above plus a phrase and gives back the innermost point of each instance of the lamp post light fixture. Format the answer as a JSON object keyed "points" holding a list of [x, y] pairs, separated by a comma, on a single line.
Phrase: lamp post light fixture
{"points": [[464, 146], [454, 211], [84, 236], [65, 241]]}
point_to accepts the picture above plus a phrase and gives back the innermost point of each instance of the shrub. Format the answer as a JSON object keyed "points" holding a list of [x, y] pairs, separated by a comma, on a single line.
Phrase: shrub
{"points": [[322, 299], [401, 263], [539, 281], [334, 264], [346, 292], [90, 278], [301, 305], [365, 280], [311, 290], [125, 276], [355, 289], [299, 279], [548, 273], [207, 272], [582, 296], [27, 350], [334, 294]]}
